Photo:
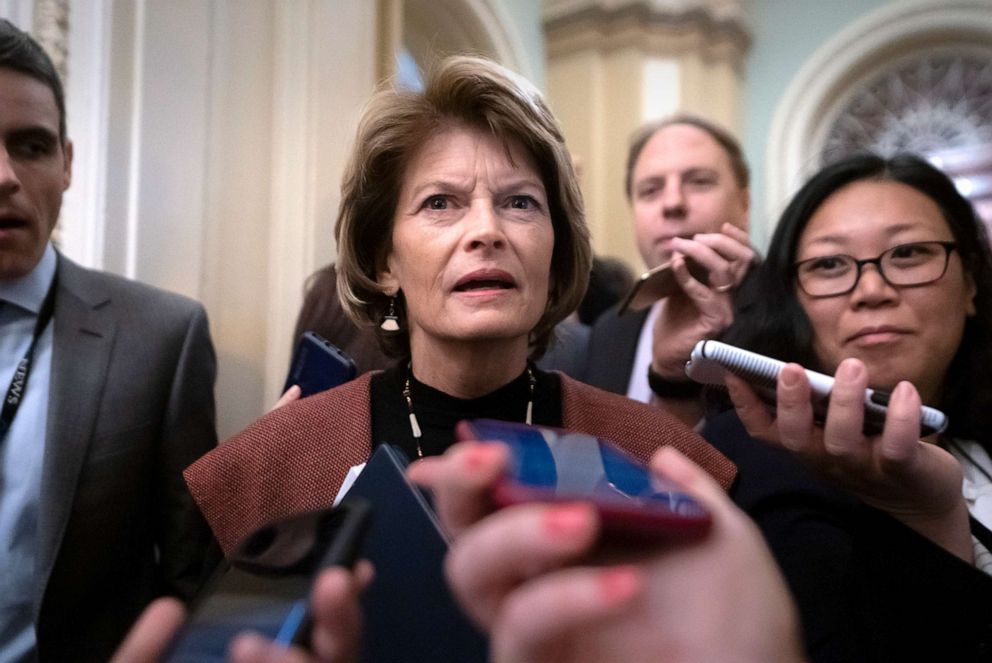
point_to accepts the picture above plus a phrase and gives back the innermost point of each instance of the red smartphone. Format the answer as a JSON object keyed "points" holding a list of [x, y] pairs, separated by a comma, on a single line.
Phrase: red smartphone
{"points": [[553, 465]]}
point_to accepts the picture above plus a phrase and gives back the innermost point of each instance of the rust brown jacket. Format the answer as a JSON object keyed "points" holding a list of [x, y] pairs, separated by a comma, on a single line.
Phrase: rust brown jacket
{"points": [[295, 458]]}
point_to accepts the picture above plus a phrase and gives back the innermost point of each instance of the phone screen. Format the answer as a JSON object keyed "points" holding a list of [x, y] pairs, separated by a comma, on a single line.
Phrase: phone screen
{"points": [[552, 465], [272, 607], [266, 588]]}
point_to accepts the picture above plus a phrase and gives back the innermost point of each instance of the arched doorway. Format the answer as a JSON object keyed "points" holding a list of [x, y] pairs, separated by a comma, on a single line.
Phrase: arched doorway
{"points": [[911, 76]]}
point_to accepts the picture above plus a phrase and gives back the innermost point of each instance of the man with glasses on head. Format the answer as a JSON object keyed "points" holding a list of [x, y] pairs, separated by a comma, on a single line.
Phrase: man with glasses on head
{"points": [[108, 396]]}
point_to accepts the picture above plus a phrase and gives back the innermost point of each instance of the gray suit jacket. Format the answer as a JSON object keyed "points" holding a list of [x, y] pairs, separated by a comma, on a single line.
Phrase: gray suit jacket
{"points": [[130, 405]]}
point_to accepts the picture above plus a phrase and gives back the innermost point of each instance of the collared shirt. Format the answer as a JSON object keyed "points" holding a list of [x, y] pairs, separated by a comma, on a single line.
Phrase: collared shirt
{"points": [[638, 387], [21, 454], [977, 490]]}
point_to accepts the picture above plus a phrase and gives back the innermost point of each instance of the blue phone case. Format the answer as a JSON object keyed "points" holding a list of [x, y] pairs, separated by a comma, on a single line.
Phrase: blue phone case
{"points": [[318, 365]]}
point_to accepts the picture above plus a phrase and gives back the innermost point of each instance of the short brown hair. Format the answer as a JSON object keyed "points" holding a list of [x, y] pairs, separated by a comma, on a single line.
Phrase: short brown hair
{"points": [[395, 124], [738, 165]]}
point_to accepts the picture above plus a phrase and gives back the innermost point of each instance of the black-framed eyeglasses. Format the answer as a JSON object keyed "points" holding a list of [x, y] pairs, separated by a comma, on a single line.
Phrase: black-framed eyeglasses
{"points": [[915, 263]]}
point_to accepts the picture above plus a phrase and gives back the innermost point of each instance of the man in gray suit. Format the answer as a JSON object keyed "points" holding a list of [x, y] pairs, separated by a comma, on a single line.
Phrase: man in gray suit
{"points": [[110, 396]]}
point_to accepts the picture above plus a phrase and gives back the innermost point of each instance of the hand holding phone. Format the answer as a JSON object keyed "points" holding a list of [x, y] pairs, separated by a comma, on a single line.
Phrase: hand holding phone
{"points": [[266, 588], [659, 283], [711, 360], [697, 597], [318, 365], [550, 465]]}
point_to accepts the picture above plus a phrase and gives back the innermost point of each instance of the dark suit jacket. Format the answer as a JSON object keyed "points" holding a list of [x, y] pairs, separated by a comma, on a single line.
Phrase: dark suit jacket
{"points": [[566, 353], [607, 358], [130, 405], [868, 588], [295, 458]]}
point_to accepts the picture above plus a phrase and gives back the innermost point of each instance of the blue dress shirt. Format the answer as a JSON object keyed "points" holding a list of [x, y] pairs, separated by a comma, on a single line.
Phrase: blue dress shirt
{"points": [[21, 454]]}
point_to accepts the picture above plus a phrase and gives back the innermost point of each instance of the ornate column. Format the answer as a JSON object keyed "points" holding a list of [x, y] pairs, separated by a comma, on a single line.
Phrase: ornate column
{"points": [[49, 24], [51, 29], [614, 64]]}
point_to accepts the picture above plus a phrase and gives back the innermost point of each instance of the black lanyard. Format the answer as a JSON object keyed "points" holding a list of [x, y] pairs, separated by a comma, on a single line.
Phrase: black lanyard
{"points": [[981, 532], [19, 383]]}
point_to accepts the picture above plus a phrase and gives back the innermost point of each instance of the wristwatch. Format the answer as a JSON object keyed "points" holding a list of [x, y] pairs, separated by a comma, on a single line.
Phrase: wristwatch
{"points": [[665, 388]]}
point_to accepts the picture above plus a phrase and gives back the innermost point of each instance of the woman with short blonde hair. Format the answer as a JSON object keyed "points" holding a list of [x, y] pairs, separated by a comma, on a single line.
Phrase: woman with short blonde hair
{"points": [[462, 242], [467, 91]]}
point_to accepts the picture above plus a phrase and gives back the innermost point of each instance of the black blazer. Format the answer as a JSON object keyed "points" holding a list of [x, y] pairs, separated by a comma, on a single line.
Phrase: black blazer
{"points": [[604, 359], [868, 588]]}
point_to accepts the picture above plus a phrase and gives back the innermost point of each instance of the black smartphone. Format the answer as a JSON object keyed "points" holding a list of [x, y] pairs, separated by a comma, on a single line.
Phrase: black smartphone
{"points": [[711, 360], [410, 613], [659, 283], [265, 587], [318, 365], [551, 465]]}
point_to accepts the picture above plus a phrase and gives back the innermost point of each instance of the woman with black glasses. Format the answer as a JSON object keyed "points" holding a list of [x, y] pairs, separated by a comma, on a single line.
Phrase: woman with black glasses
{"points": [[878, 273]]}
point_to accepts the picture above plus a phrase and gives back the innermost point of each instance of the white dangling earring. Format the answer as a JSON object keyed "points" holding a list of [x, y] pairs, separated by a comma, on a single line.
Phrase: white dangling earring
{"points": [[390, 322]]}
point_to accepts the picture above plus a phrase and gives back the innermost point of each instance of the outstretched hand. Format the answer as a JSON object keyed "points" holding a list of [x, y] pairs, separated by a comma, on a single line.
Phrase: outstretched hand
{"points": [[335, 635], [290, 395], [150, 636], [461, 480], [535, 577], [915, 481], [699, 310]]}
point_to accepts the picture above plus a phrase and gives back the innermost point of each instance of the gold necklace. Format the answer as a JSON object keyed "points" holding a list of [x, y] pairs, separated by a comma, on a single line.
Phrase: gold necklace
{"points": [[415, 425]]}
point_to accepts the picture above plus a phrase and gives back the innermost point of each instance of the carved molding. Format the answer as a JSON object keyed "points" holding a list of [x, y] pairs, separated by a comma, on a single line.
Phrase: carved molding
{"points": [[432, 27], [51, 29], [713, 29]]}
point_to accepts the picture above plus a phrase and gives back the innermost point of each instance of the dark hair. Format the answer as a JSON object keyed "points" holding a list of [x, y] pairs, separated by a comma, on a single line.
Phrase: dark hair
{"points": [[738, 164], [20, 52], [459, 91], [609, 281], [770, 320]]}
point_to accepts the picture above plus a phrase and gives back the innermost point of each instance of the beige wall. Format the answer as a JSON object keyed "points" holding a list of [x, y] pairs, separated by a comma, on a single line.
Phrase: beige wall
{"points": [[597, 100], [610, 70], [212, 136]]}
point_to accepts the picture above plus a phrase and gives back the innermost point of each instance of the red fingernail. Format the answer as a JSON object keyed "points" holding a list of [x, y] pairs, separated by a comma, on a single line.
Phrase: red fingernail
{"points": [[617, 585], [478, 456], [567, 520]]}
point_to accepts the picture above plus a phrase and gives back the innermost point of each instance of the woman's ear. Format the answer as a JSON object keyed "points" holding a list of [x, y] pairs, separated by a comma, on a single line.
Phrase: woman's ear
{"points": [[386, 278]]}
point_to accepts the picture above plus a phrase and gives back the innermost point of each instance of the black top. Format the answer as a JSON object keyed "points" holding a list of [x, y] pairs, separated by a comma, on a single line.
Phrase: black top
{"points": [[437, 412], [868, 587]]}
